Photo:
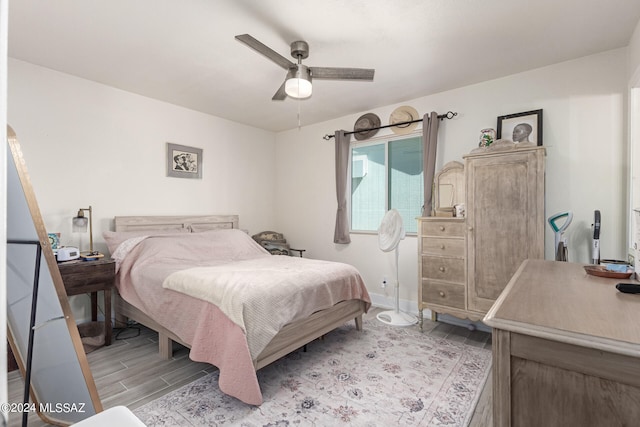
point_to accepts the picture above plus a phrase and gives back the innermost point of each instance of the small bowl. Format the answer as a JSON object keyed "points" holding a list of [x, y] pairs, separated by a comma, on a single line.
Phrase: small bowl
{"points": [[601, 271]]}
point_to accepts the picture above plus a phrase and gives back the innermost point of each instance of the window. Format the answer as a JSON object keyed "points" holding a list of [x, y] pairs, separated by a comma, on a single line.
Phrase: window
{"points": [[386, 175]]}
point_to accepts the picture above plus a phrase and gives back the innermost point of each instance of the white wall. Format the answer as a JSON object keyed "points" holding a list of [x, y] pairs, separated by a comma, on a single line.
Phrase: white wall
{"points": [[634, 55], [584, 103], [89, 144]]}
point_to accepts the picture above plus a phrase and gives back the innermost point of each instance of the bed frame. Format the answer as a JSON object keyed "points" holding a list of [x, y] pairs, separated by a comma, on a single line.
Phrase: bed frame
{"points": [[290, 338]]}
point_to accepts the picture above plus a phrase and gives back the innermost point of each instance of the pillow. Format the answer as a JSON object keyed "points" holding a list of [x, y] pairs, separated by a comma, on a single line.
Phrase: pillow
{"points": [[230, 244], [203, 229], [113, 239]]}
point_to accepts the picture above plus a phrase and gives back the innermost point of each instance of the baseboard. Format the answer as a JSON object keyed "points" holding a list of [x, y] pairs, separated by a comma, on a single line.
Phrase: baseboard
{"points": [[382, 301], [452, 320]]}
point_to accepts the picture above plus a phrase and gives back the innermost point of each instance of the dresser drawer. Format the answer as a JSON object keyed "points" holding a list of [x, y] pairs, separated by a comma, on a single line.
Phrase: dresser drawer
{"points": [[447, 228], [445, 247], [448, 269], [447, 294]]}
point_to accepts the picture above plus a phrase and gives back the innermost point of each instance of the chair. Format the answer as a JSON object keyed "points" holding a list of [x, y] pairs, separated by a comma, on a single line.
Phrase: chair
{"points": [[275, 243]]}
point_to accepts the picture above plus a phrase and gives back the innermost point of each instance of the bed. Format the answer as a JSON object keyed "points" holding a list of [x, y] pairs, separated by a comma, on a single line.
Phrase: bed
{"points": [[164, 279]]}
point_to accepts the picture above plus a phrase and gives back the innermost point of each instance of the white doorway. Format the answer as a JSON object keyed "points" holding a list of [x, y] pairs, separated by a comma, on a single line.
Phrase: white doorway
{"points": [[634, 169]]}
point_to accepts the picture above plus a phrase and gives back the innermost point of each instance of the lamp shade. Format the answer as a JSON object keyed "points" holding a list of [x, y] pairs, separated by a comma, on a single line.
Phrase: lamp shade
{"points": [[80, 223], [298, 84]]}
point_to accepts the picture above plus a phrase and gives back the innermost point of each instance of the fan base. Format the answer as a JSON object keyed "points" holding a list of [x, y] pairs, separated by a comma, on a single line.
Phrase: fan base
{"points": [[397, 318]]}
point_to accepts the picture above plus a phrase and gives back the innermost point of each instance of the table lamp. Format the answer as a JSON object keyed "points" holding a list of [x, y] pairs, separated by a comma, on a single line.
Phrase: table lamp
{"points": [[80, 225]]}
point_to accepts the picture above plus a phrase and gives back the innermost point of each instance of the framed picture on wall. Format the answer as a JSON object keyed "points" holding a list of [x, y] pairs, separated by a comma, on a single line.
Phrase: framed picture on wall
{"points": [[183, 161], [521, 127]]}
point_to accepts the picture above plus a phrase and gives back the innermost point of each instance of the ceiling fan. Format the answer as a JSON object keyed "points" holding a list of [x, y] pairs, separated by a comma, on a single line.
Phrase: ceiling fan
{"points": [[297, 83]]}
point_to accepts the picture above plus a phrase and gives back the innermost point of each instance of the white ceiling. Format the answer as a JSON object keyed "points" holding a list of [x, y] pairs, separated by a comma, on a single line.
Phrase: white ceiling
{"points": [[184, 51]]}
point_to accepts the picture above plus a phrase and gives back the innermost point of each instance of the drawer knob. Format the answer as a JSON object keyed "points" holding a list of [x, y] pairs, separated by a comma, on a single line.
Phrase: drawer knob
{"points": [[442, 246], [441, 294], [441, 269], [470, 228], [442, 228]]}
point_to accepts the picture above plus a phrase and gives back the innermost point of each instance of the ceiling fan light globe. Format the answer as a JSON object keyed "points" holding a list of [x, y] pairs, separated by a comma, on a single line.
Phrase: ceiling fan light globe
{"points": [[298, 88], [298, 82]]}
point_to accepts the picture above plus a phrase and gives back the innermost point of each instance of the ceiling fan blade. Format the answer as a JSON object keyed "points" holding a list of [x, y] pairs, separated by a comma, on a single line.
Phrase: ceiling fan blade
{"points": [[280, 95], [342, 73], [265, 50]]}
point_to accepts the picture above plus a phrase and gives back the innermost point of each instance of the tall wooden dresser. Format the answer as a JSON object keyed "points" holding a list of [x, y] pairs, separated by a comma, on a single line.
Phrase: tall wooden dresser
{"points": [[465, 263], [442, 265]]}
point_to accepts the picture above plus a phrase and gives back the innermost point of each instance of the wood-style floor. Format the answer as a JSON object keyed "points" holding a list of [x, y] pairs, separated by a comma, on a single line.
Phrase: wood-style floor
{"points": [[129, 372]]}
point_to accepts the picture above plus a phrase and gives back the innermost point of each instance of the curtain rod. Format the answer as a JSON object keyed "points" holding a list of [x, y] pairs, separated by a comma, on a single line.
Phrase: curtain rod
{"points": [[449, 115]]}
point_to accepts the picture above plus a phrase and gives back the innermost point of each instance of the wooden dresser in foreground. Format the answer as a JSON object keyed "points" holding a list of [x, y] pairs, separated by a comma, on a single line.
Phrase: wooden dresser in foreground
{"points": [[566, 349]]}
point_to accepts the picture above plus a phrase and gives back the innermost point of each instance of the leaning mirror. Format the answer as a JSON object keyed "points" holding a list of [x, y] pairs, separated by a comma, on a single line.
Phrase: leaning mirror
{"points": [[42, 332]]}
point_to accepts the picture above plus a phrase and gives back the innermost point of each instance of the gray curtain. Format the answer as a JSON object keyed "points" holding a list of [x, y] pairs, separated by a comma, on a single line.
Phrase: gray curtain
{"points": [[341, 234], [429, 143]]}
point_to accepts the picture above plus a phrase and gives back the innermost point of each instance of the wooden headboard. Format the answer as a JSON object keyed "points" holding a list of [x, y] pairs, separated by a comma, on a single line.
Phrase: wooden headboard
{"points": [[189, 222]]}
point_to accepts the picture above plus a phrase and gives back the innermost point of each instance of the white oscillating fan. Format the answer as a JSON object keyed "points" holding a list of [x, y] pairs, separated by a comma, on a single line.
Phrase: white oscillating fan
{"points": [[390, 233]]}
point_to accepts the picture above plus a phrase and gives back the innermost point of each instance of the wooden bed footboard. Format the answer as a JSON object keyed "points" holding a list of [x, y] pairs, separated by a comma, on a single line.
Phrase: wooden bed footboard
{"points": [[296, 334], [291, 337]]}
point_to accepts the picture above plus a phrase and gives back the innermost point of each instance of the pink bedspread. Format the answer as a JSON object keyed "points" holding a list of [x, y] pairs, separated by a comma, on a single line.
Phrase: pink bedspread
{"points": [[212, 336]]}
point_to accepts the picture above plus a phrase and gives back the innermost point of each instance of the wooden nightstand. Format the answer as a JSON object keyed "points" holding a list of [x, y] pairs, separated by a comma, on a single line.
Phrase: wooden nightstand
{"points": [[81, 277]]}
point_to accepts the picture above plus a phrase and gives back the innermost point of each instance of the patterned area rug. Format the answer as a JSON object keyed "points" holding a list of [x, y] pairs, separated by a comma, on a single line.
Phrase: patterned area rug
{"points": [[381, 376]]}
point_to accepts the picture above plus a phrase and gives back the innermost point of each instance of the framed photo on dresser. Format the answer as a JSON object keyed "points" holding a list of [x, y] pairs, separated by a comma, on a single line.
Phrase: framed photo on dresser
{"points": [[521, 127]]}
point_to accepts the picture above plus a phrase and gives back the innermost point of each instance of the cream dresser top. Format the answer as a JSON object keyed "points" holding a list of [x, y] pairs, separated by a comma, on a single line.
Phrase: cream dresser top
{"points": [[560, 301]]}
